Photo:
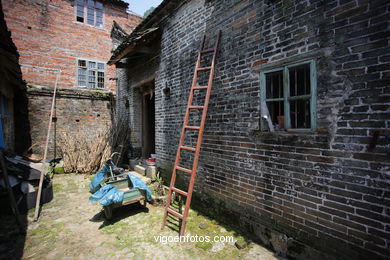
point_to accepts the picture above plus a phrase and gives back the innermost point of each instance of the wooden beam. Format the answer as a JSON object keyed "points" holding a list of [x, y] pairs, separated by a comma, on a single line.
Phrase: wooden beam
{"points": [[148, 80]]}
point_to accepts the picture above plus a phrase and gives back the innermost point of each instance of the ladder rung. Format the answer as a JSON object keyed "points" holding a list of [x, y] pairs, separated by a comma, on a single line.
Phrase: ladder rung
{"points": [[183, 169], [207, 50], [177, 214], [179, 191], [192, 127], [199, 87], [203, 68], [188, 148], [196, 107]]}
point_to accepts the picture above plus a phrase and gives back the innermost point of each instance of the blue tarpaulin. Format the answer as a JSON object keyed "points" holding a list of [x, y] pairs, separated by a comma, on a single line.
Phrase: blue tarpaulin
{"points": [[137, 183], [2, 145], [107, 195], [99, 177]]}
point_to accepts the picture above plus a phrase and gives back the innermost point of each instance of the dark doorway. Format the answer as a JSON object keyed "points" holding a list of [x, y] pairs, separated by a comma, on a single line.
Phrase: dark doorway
{"points": [[148, 124]]}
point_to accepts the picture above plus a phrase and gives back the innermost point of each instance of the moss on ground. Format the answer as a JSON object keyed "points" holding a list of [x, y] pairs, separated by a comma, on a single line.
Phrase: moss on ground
{"points": [[71, 227]]}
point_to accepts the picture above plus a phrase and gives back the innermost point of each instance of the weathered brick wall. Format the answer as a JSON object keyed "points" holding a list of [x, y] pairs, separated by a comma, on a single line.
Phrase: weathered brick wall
{"points": [[80, 114], [322, 189], [47, 35], [49, 39], [130, 91]]}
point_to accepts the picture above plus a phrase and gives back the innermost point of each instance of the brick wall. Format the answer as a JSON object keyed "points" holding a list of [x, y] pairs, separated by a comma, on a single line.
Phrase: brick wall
{"points": [[81, 114], [322, 190], [48, 39], [47, 35]]}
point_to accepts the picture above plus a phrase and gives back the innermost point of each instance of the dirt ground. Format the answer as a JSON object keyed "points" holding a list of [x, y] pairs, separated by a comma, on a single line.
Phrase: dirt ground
{"points": [[70, 227]]}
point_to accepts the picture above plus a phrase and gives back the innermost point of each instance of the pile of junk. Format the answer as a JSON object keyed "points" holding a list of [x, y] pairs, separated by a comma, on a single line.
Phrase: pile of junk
{"points": [[115, 187], [23, 176]]}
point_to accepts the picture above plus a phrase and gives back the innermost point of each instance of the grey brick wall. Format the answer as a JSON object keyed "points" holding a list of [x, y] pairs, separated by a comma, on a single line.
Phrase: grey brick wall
{"points": [[322, 190]]}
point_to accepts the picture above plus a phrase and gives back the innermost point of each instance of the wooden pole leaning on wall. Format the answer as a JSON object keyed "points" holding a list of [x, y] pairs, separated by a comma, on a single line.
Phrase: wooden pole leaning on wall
{"points": [[38, 202]]}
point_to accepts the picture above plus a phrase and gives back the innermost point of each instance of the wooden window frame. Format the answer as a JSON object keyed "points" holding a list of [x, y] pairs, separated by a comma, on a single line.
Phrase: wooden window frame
{"points": [[97, 70], [85, 13], [312, 97]]}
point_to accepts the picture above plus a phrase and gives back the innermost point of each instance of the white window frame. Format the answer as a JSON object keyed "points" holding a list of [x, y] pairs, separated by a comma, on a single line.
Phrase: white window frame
{"points": [[85, 12], [87, 70]]}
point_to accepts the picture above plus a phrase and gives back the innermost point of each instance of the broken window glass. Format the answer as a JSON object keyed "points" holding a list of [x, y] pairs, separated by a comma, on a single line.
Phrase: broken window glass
{"points": [[82, 63], [100, 79], [288, 95]]}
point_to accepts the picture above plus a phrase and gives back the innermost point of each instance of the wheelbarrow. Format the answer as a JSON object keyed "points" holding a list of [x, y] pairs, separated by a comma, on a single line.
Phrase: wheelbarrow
{"points": [[113, 176], [131, 195]]}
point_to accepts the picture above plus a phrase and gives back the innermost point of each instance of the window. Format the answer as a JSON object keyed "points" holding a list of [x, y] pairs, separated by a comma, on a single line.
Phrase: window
{"points": [[288, 97], [90, 12], [5, 118], [90, 74]]}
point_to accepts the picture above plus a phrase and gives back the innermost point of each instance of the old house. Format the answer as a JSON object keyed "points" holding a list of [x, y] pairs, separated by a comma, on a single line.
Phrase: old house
{"points": [[66, 43], [294, 148]]}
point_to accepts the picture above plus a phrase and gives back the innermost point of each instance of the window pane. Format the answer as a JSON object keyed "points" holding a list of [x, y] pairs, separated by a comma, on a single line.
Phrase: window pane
{"points": [[80, 12], [99, 18], [274, 83], [82, 71], [82, 63], [91, 65], [99, 5], [300, 113], [99, 22], [80, 2], [300, 80], [91, 3], [276, 112], [101, 66], [91, 16], [100, 79], [82, 83]]}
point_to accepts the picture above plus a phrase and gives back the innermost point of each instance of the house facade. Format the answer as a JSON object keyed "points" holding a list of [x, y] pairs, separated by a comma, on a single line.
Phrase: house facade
{"points": [[67, 43], [294, 149]]}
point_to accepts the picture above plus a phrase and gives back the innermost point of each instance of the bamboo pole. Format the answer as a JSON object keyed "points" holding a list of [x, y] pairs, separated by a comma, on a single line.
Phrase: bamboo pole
{"points": [[37, 204]]}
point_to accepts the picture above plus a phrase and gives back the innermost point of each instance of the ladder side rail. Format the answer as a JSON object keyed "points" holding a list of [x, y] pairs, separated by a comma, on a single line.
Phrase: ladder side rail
{"points": [[181, 141], [200, 137]]}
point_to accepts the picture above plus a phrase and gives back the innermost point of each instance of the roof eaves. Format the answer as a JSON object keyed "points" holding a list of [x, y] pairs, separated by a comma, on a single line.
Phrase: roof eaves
{"points": [[117, 2], [152, 20]]}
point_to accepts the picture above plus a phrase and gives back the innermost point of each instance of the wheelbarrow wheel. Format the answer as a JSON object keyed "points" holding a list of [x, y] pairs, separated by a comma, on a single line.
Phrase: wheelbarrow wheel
{"points": [[108, 212]]}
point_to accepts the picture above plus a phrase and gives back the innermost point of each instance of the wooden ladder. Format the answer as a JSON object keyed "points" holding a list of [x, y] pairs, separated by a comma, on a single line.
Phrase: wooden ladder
{"points": [[186, 127]]}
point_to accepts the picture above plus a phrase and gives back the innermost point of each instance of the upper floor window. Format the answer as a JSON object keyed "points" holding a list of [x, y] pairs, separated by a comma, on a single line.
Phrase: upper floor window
{"points": [[288, 97], [90, 12], [90, 74]]}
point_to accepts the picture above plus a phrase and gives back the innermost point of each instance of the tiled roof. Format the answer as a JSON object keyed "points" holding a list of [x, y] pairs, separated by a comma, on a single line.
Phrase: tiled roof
{"points": [[151, 22]]}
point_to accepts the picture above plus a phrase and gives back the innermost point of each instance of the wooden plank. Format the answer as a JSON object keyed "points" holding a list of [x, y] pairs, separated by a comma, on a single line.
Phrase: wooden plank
{"points": [[39, 192]]}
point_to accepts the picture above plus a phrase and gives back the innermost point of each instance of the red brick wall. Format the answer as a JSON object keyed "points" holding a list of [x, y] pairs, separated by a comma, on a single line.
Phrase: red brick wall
{"points": [[47, 35]]}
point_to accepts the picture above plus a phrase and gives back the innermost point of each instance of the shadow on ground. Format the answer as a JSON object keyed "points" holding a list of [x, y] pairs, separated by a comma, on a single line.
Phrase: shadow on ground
{"points": [[119, 214], [11, 239]]}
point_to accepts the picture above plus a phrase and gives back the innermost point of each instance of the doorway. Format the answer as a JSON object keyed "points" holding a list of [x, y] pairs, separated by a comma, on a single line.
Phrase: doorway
{"points": [[148, 123]]}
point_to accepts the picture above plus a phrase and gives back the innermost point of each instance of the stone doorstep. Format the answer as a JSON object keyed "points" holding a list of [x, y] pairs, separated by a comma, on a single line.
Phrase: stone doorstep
{"points": [[141, 170], [143, 178]]}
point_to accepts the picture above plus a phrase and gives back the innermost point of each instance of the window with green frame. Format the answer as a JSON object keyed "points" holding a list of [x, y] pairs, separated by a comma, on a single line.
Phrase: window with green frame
{"points": [[288, 97]]}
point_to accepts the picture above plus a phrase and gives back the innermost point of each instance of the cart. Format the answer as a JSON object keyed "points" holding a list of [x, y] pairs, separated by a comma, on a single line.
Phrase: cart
{"points": [[131, 195]]}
